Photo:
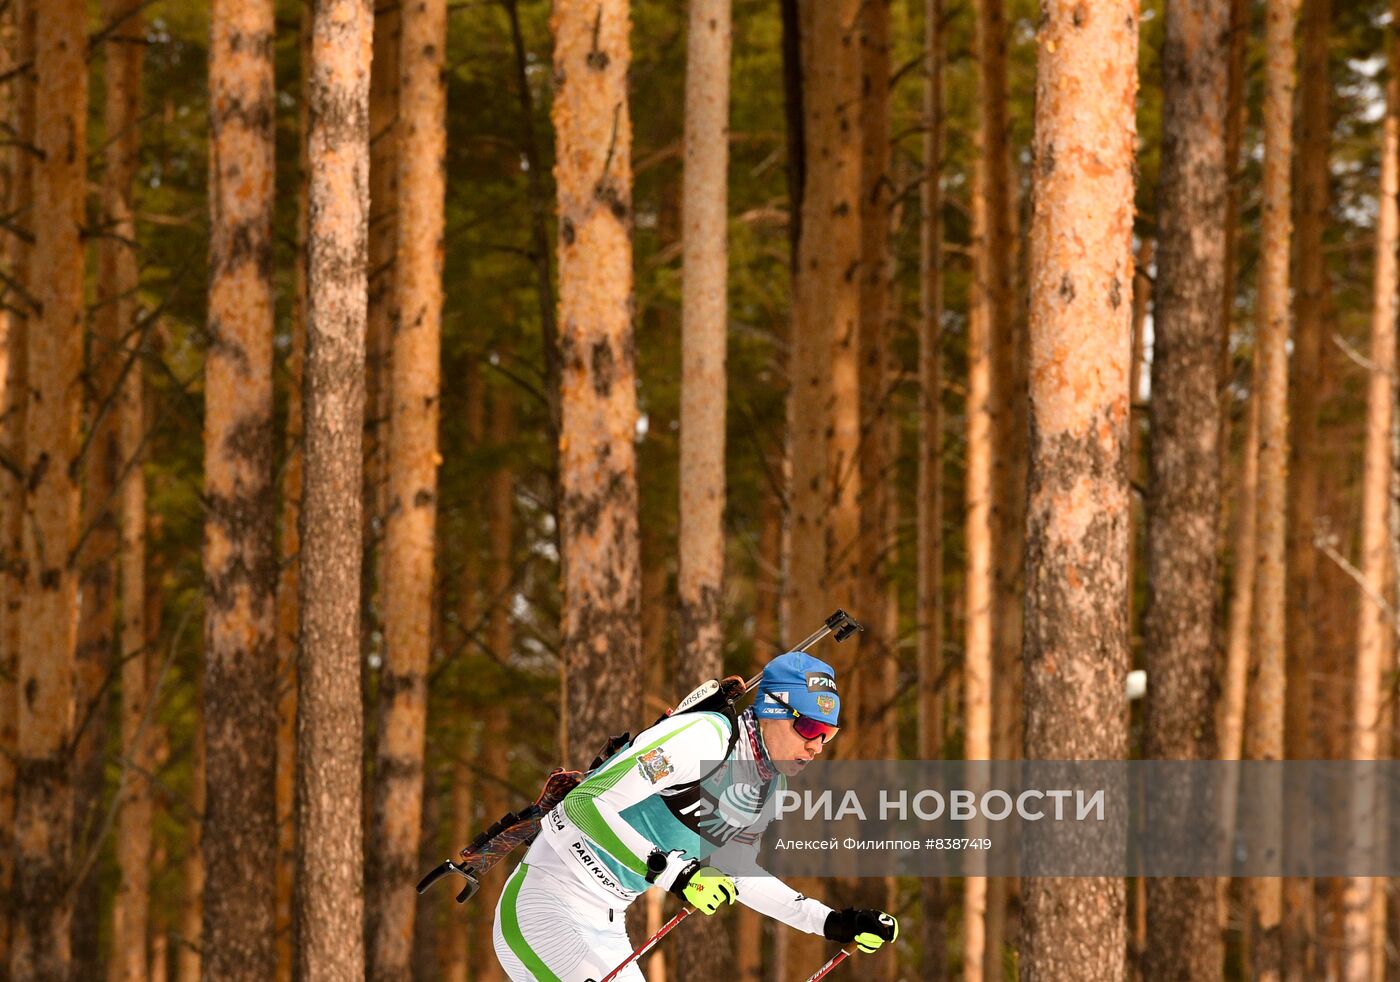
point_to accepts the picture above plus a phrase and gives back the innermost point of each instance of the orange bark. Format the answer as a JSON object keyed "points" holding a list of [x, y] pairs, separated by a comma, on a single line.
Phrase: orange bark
{"points": [[188, 961], [476, 934], [930, 606], [1239, 622], [1311, 301], [118, 268], [47, 627], [995, 273], [993, 258], [823, 372], [1240, 604], [240, 645], [289, 551], [835, 106], [14, 406], [500, 632], [1374, 628], [823, 408], [597, 467], [412, 505], [113, 317], [873, 697], [700, 569], [979, 581], [871, 688], [1264, 738], [383, 307], [1076, 638]]}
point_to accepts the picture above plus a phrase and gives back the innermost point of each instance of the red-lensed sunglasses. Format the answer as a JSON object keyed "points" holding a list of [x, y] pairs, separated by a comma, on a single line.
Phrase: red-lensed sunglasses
{"points": [[809, 729]]}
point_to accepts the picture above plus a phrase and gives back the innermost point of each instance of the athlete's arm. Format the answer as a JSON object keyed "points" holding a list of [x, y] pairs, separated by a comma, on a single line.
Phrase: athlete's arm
{"points": [[771, 896], [761, 890]]}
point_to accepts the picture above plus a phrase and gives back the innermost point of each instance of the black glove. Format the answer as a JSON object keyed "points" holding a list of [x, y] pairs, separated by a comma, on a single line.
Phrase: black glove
{"points": [[868, 928]]}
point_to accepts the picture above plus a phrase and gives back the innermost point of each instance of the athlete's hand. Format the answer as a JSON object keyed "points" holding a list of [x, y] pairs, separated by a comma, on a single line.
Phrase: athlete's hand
{"points": [[868, 928], [704, 887]]}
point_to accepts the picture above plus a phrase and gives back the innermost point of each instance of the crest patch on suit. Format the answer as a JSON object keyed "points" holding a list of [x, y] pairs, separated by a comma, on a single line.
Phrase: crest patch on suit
{"points": [[654, 765]]}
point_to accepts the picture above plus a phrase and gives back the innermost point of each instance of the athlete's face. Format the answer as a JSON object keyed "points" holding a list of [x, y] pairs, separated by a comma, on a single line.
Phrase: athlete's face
{"points": [[790, 753]]}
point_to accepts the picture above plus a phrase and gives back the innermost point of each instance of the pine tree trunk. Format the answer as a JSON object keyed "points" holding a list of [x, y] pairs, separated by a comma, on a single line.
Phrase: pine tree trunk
{"points": [[455, 949], [1264, 738], [540, 205], [1076, 642], [657, 608], [240, 565], [930, 474], [138, 678], [383, 308], [379, 331], [492, 763], [289, 546], [455, 966], [500, 634], [329, 917], [1373, 627], [1239, 626], [187, 961], [703, 953], [995, 275], [489, 755], [412, 504], [823, 406], [14, 405], [990, 501], [11, 330], [833, 181], [1241, 600], [873, 683], [97, 559], [1234, 132], [825, 305], [47, 625], [597, 469], [704, 320], [119, 327], [160, 955], [1310, 304], [979, 581], [1183, 941], [873, 721], [767, 587], [424, 960]]}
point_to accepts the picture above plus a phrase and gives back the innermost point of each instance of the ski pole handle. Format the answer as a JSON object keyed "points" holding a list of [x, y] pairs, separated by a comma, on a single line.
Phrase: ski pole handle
{"points": [[836, 959], [650, 942]]}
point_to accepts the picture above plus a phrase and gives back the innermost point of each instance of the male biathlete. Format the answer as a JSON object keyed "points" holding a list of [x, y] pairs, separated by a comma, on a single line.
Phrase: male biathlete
{"points": [[654, 813]]}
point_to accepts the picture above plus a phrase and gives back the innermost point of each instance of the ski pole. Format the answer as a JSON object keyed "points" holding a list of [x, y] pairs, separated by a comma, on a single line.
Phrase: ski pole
{"points": [[649, 943], [836, 959], [841, 622]]}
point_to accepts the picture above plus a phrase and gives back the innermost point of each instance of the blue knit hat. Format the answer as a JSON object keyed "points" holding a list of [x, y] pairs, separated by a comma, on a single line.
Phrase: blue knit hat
{"points": [[798, 681]]}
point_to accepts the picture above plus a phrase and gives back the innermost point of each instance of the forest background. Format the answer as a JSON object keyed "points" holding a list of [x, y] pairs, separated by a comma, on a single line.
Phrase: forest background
{"points": [[182, 360]]}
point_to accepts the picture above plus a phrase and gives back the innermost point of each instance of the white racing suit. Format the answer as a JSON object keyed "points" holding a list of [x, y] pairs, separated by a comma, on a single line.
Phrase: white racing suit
{"points": [[560, 916]]}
